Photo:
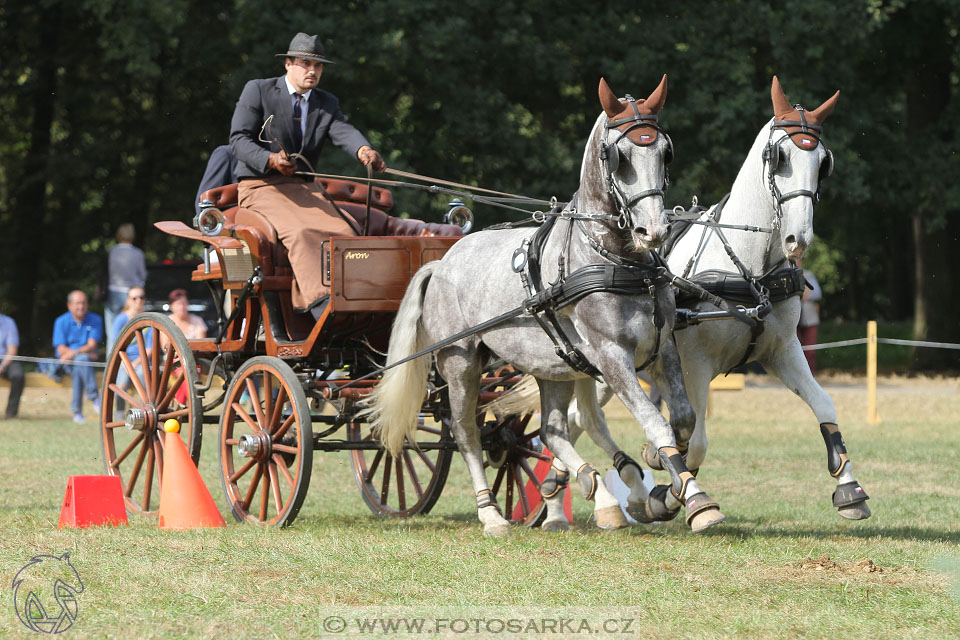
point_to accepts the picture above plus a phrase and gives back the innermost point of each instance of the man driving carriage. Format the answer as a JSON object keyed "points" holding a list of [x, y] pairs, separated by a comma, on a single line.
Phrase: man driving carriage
{"points": [[304, 117]]}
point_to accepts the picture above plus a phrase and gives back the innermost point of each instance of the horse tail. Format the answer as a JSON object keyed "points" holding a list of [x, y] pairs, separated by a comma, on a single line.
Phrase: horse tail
{"points": [[394, 405], [523, 398]]}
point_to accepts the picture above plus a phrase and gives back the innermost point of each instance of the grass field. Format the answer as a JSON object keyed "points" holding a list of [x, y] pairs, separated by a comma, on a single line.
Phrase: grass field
{"points": [[782, 565]]}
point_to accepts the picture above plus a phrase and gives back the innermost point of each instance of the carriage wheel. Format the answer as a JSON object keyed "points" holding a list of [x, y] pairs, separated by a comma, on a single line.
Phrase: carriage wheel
{"points": [[131, 418], [266, 443], [515, 453], [407, 485]]}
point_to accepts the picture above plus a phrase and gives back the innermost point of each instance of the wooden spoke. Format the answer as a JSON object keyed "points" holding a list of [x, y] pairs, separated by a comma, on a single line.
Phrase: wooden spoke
{"points": [[413, 474], [132, 480], [167, 370], [427, 461], [268, 399], [245, 417], [284, 427], [496, 483], [158, 454], [385, 486], [523, 494], [147, 374], [148, 480], [285, 448], [282, 466], [508, 502], [179, 413], [155, 363], [533, 434], [239, 473], [401, 496], [231, 442], [115, 463], [264, 496], [275, 485], [373, 466], [530, 474], [278, 407], [172, 391], [114, 425], [533, 454], [123, 394], [252, 489], [255, 401], [134, 378]]}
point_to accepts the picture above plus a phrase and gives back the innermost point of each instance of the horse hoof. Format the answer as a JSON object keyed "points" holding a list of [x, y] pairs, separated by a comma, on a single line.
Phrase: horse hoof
{"points": [[859, 511], [556, 526], [706, 519], [650, 457], [496, 531], [638, 511], [610, 518]]}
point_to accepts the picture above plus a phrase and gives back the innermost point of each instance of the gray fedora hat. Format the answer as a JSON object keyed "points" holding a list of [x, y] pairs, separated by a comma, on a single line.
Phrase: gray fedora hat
{"points": [[304, 46]]}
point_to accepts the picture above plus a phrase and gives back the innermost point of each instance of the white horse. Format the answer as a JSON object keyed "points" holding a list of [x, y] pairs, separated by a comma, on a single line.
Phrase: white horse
{"points": [[616, 217], [776, 188]]}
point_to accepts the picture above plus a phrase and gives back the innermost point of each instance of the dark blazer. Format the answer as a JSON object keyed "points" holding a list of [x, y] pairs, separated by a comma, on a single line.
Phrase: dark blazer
{"points": [[260, 99]]}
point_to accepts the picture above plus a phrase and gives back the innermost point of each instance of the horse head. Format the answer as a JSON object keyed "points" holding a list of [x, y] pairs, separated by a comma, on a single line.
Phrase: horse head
{"points": [[628, 153], [794, 172]]}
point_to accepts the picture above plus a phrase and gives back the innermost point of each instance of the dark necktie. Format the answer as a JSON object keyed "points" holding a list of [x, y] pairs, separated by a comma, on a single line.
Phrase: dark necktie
{"points": [[297, 119]]}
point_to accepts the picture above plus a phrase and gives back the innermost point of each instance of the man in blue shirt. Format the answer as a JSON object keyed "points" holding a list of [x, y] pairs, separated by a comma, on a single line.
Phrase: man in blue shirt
{"points": [[10, 368], [76, 337]]}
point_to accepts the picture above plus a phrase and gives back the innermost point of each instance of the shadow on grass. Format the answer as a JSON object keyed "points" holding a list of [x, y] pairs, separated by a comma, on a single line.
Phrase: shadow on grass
{"points": [[745, 528]]}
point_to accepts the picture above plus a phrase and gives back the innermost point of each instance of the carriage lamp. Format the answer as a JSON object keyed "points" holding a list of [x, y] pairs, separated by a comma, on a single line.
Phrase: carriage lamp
{"points": [[459, 215], [209, 221]]}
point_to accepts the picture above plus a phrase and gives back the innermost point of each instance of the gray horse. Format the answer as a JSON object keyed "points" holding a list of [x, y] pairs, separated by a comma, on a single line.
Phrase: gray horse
{"points": [[616, 216], [776, 188]]}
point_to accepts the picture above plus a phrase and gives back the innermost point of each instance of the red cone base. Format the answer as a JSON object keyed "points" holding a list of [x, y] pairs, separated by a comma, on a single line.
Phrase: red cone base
{"points": [[92, 501]]}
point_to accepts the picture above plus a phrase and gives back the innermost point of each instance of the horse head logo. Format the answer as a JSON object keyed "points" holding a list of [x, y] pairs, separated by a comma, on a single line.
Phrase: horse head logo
{"points": [[45, 593]]}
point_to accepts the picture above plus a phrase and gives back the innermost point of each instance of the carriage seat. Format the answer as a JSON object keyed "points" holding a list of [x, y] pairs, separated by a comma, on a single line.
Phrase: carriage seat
{"points": [[350, 196]]}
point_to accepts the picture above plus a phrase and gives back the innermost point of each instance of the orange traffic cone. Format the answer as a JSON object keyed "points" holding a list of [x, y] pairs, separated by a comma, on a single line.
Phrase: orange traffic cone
{"points": [[185, 502]]}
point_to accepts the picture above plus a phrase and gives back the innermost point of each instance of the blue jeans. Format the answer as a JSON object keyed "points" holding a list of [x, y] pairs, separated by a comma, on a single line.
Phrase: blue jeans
{"points": [[84, 380]]}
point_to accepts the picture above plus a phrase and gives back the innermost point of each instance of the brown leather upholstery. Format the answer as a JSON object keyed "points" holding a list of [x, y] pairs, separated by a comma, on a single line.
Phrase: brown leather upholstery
{"points": [[351, 197]]}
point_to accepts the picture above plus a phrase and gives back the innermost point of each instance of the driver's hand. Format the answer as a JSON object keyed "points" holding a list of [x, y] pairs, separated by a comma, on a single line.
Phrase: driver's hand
{"points": [[371, 158], [281, 162]]}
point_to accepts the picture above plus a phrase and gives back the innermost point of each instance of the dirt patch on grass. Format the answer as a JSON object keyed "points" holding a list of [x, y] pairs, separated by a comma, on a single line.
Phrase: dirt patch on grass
{"points": [[824, 563]]}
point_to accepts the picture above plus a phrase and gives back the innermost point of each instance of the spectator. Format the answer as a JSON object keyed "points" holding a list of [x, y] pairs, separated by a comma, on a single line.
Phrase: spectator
{"points": [[193, 327], [221, 170], [126, 268], [76, 337], [134, 305], [10, 368], [809, 315]]}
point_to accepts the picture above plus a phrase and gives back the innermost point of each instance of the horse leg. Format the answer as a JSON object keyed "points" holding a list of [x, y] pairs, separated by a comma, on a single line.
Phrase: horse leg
{"points": [[664, 501], [585, 415], [791, 367], [462, 374], [555, 398]]}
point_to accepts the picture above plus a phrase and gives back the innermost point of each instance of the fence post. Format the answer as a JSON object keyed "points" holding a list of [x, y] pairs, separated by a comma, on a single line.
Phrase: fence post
{"points": [[872, 416]]}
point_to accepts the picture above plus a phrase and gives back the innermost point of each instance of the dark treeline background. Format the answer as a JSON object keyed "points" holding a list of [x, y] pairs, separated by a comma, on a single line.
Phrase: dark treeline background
{"points": [[110, 109]]}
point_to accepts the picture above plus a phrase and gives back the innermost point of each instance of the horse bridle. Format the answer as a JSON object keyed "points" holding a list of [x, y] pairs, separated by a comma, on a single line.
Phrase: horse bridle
{"points": [[610, 157], [773, 154]]}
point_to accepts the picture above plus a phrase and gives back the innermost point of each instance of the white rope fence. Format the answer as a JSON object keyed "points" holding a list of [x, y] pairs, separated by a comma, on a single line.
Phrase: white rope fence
{"points": [[54, 361], [897, 341]]}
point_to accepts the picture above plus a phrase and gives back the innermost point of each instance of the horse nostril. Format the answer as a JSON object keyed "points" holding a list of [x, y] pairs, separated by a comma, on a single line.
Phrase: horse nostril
{"points": [[641, 230], [790, 239]]}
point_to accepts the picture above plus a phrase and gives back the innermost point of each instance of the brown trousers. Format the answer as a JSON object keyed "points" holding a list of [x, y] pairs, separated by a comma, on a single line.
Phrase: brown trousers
{"points": [[304, 219]]}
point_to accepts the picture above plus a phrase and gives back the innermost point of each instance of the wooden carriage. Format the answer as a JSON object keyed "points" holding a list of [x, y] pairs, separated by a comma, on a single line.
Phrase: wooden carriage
{"points": [[281, 385]]}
